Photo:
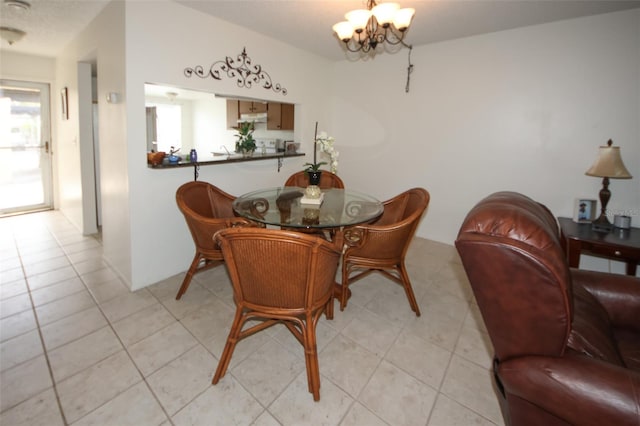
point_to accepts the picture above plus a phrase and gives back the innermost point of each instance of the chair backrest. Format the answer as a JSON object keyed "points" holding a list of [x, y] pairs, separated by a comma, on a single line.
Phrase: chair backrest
{"points": [[404, 206], [510, 248], [206, 210], [327, 180], [390, 235], [279, 271]]}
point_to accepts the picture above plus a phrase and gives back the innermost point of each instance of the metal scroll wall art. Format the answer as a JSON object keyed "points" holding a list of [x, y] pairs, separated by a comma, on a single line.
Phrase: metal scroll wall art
{"points": [[241, 68]]}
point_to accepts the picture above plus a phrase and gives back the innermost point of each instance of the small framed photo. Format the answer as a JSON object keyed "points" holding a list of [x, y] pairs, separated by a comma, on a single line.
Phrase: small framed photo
{"points": [[290, 147], [64, 98], [584, 210]]}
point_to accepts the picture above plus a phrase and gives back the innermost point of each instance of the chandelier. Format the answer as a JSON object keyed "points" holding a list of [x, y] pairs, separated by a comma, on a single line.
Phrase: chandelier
{"points": [[364, 29]]}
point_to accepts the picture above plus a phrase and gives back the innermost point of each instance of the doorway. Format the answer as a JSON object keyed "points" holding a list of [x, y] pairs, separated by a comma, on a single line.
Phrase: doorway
{"points": [[25, 147]]}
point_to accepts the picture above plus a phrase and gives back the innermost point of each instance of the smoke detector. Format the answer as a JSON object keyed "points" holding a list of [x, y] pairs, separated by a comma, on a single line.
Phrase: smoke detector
{"points": [[17, 4]]}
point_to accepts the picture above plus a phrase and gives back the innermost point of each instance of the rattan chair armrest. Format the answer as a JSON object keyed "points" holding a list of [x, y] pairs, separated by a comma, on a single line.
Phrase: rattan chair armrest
{"points": [[355, 237], [240, 222]]}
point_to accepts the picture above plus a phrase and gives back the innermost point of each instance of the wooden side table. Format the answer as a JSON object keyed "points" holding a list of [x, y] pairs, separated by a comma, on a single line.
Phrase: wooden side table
{"points": [[618, 244]]}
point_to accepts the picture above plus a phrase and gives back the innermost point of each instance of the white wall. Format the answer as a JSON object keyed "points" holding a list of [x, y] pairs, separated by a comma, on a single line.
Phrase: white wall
{"points": [[102, 43], [17, 66], [522, 110], [160, 242]]}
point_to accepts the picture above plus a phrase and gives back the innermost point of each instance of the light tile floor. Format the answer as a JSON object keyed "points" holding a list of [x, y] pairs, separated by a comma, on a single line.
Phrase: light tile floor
{"points": [[77, 347]]}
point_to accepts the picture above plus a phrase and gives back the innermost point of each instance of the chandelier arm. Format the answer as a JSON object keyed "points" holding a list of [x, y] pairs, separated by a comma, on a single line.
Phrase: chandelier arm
{"points": [[358, 47], [397, 37]]}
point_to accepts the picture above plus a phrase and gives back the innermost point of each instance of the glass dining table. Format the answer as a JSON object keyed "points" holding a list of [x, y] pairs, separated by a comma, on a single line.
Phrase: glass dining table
{"points": [[286, 207]]}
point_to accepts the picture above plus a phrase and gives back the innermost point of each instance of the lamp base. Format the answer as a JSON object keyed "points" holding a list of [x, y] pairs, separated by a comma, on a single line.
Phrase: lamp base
{"points": [[601, 224]]}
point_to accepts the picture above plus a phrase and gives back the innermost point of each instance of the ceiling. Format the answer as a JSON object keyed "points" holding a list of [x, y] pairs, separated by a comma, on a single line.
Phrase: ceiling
{"points": [[306, 24]]}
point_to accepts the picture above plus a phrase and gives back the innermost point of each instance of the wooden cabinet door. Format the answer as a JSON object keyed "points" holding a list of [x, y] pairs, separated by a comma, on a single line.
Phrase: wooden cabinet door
{"points": [[245, 107], [259, 107], [232, 114], [279, 116], [273, 116], [248, 107], [286, 116]]}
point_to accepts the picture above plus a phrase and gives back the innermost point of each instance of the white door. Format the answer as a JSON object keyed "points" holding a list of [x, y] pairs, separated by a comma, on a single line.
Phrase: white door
{"points": [[25, 147]]}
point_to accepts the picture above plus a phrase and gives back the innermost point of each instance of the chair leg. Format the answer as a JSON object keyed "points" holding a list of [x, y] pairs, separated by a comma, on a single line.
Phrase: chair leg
{"points": [[329, 308], [345, 286], [232, 340], [406, 283], [187, 278], [311, 358]]}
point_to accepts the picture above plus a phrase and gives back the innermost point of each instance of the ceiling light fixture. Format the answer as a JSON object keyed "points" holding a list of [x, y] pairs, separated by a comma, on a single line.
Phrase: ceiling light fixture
{"points": [[11, 34], [18, 4], [365, 29]]}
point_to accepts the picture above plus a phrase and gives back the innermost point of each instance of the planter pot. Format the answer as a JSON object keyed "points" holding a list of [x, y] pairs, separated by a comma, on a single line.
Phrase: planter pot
{"points": [[314, 177], [247, 154]]}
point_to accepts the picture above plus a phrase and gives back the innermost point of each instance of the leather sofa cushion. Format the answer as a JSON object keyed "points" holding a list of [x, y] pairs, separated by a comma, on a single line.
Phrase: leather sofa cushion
{"points": [[629, 348], [591, 329]]}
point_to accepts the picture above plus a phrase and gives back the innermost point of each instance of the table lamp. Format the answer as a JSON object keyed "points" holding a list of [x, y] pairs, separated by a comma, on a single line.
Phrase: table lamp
{"points": [[608, 165]]}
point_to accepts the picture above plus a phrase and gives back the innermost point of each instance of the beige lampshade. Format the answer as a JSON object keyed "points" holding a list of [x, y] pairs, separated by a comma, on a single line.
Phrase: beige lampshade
{"points": [[403, 17], [344, 30], [384, 12], [609, 164], [358, 18]]}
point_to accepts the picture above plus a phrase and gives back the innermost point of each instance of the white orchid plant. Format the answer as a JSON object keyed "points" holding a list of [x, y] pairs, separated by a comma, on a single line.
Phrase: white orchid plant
{"points": [[325, 142]]}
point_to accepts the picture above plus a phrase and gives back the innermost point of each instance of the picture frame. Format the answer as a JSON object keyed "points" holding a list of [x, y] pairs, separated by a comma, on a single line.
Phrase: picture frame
{"points": [[584, 210], [290, 147], [64, 98]]}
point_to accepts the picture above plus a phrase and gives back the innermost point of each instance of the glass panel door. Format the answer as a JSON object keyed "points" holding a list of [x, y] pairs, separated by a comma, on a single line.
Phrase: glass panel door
{"points": [[25, 147]]}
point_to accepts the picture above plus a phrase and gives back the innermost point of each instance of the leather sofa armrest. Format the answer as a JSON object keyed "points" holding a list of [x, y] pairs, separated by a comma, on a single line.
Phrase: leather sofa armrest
{"points": [[575, 388], [618, 294]]}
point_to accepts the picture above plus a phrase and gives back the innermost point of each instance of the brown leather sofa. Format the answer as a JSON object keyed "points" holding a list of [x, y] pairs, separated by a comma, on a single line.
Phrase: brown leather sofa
{"points": [[566, 341]]}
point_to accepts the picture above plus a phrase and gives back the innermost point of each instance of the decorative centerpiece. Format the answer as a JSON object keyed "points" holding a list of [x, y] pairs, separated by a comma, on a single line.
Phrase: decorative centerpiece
{"points": [[246, 144], [313, 194], [311, 216]]}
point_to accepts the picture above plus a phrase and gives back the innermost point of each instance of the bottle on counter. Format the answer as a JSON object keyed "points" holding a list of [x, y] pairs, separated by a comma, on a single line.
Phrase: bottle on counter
{"points": [[193, 156]]}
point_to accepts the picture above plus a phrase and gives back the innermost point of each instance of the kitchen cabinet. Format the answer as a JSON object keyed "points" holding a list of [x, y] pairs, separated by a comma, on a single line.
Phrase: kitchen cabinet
{"points": [[233, 113], [280, 116], [248, 107]]}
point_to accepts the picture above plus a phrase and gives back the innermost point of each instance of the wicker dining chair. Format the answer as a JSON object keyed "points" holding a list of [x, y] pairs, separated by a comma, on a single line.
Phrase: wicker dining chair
{"points": [[327, 180], [279, 277], [382, 246], [206, 209]]}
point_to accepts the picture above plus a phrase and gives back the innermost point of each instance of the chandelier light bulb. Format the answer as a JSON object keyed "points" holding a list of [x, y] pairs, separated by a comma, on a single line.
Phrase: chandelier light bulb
{"points": [[384, 12], [358, 18], [344, 30], [403, 17]]}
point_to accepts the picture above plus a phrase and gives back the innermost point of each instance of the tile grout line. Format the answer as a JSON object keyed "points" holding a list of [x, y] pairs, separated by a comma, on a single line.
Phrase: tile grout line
{"points": [[109, 323], [44, 349], [124, 347]]}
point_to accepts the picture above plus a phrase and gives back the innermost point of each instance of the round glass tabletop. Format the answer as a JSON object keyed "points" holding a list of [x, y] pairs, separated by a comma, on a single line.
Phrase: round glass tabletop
{"points": [[286, 206]]}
